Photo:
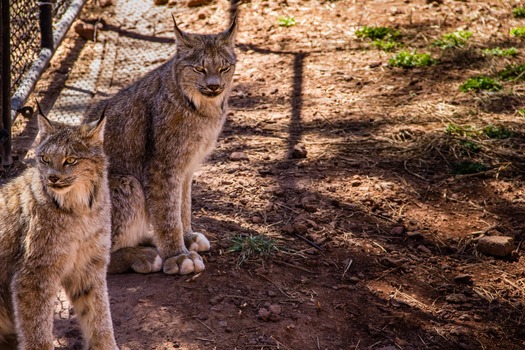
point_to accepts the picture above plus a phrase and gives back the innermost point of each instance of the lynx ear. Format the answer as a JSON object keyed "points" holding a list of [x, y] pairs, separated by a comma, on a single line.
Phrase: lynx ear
{"points": [[181, 38], [95, 130], [44, 125], [229, 34]]}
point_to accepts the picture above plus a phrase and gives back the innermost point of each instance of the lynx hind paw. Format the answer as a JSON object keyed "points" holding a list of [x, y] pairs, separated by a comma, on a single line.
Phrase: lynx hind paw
{"points": [[149, 261], [183, 264], [197, 242]]}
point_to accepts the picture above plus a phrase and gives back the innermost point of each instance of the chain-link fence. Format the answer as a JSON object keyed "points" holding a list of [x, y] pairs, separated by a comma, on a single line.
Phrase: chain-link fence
{"points": [[30, 32]]}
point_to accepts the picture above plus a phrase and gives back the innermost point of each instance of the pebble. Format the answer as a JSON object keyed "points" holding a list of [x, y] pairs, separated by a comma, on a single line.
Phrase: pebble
{"points": [[238, 156], [456, 298], [195, 3], [499, 246], [397, 231], [299, 151], [463, 278]]}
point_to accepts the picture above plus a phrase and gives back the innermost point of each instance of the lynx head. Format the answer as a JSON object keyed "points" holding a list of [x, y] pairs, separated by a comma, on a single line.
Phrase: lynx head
{"points": [[71, 161], [206, 64]]}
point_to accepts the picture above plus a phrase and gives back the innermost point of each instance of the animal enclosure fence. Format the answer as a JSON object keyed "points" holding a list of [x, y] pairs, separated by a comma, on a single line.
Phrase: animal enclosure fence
{"points": [[30, 32]]}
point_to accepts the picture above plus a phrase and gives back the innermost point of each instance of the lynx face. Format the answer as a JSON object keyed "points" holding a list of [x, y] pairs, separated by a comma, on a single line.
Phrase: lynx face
{"points": [[68, 160], [207, 61]]}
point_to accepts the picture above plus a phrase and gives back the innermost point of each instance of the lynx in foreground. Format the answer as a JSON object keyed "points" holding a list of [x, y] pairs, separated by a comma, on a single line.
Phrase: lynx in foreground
{"points": [[158, 132], [55, 231]]}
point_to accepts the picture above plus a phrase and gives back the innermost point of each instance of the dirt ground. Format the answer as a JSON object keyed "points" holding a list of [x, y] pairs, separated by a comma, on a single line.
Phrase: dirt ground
{"points": [[343, 162]]}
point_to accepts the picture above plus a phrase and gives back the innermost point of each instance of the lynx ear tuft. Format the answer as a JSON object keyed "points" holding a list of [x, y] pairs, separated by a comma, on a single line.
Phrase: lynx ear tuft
{"points": [[44, 125], [181, 38], [95, 130], [229, 34]]}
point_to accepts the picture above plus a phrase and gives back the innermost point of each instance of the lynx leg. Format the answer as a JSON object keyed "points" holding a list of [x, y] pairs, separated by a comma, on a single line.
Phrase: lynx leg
{"points": [[138, 259], [88, 293], [194, 241], [164, 200], [130, 228], [33, 302]]}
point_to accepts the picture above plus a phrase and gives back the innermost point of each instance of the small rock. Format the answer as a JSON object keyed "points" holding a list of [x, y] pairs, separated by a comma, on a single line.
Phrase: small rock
{"points": [[375, 64], [288, 229], [414, 235], [105, 3], [271, 293], [499, 246], [300, 228], [257, 219], [456, 298], [276, 309], [397, 231], [238, 156], [160, 2], [299, 151], [263, 314], [85, 30], [202, 15], [424, 249], [216, 299], [308, 203], [195, 3], [355, 183], [463, 278]]}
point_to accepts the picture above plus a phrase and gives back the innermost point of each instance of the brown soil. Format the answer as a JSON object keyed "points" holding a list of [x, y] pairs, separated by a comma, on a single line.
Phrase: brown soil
{"points": [[343, 161]]}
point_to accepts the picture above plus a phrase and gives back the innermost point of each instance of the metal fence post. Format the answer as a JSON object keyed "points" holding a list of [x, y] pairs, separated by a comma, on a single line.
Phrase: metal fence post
{"points": [[5, 75], [46, 24]]}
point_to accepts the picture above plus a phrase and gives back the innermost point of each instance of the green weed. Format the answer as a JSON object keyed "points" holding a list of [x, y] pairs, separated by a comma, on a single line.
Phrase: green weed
{"points": [[497, 132], [285, 21], [480, 83], [470, 146], [519, 31], [252, 247], [519, 12], [512, 51], [513, 72], [458, 130], [407, 59], [455, 39], [377, 33], [385, 45], [521, 112], [464, 168]]}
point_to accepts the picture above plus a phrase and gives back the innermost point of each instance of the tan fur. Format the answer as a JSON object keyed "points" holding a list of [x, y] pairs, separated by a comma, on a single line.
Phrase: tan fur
{"points": [[55, 231], [159, 131]]}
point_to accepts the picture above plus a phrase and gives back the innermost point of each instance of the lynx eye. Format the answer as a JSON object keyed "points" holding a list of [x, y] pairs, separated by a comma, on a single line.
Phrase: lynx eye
{"points": [[70, 161], [224, 69], [45, 159], [199, 69]]}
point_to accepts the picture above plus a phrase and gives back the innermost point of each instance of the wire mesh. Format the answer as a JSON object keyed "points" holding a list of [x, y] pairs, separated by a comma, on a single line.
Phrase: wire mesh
{"points": [[25, 34]]}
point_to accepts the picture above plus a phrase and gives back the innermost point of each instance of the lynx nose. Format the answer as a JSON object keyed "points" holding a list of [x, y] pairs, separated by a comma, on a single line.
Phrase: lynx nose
{"points": [[53, 178], [213, 87]]}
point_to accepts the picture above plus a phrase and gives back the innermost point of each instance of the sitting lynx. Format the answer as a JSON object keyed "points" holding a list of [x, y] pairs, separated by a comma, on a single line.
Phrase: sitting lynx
{"points": [[55, 231], [159, 130]]}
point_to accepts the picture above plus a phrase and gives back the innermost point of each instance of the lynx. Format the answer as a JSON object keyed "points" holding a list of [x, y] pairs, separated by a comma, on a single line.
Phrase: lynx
{"points": [[159, 130], [55, 231]]}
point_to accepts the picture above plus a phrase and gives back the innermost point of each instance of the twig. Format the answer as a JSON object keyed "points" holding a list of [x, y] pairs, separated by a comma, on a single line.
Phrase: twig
{"points": [[318, 344], [308, 241], [205, 339], [292, 265], [280, 290], [204, 324], [347, 267]]}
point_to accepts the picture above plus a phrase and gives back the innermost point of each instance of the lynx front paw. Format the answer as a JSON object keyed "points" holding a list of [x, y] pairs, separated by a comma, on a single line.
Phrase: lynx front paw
{"points": [[183, 264], [197, 242]]}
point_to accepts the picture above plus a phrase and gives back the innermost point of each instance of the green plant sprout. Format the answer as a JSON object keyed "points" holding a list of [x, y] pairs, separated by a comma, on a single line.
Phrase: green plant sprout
{"points": [[455, 39], [480, 83], [406, 59]]}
